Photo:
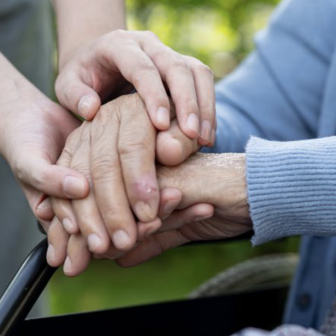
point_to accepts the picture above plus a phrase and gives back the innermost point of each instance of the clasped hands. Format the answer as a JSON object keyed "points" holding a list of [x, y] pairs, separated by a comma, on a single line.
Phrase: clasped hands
{"points": [[146, 195]]}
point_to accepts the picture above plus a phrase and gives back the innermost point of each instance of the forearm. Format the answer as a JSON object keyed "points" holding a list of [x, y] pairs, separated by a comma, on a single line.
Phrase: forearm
{"points": [[82, 21], [13, 85]]}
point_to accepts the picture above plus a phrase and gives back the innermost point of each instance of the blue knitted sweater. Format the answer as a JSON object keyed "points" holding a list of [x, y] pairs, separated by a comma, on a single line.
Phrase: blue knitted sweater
{"points": [[285, 92]]}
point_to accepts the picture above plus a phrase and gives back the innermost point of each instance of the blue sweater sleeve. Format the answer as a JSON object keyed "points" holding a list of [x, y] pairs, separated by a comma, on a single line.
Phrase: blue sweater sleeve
{"points": [[277, 92], [292, 188]]}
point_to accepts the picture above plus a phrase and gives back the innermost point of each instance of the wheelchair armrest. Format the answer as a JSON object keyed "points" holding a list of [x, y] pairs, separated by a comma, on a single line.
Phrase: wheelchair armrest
{"points": [[25, 289]]}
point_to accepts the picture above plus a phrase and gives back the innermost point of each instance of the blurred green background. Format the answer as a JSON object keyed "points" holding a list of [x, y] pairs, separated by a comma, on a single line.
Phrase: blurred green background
{"points": [[220, 33]]}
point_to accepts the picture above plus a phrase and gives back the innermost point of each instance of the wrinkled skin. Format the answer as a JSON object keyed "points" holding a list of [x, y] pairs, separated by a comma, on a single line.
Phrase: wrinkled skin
{"points": [[192, 189], [116, 152], [216, 179]]}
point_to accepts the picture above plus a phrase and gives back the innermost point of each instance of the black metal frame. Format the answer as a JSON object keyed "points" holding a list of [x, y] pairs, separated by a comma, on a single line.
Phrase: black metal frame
{"points": [[222, 315]]}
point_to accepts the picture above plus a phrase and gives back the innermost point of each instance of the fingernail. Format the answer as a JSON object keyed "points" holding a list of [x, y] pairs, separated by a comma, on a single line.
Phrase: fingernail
{"points": [[94, 242], [206, 130], [169, 207], [200, 218], [193, 122], [121, 239], [44, 205], [68, 225], [51, 256], [143, 211], [162, 116], [84, 105], [73, 186], [67, 265]]}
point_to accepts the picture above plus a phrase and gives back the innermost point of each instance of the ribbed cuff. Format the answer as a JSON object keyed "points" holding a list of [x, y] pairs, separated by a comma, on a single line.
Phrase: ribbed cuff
{"points": [[291, 188]]}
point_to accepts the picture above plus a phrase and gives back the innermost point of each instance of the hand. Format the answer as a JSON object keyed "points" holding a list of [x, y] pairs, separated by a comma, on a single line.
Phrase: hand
{"points": [[33, 131], [111, 65], [116, 152], [217, 179]]}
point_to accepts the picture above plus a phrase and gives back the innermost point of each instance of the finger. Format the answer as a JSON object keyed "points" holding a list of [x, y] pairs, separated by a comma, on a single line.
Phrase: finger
{"points": [[91, 224], [44, 211], [173, 146], [45, 225], [53, 180], [180, 81], [178, 219], [64, 212], [170, 198], [86, 211], [75, 94], [62, 207], [146, 229], [192, 214], [136, 147], [212, 139], [151, 247], [58, 240], [137, 68], [205, 90], [112, 253], [78, 256], [108, 180]]}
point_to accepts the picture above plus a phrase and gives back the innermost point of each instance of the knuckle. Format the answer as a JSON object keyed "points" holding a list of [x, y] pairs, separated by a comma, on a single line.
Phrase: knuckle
{"points": [[103, 167], [133, 148], [144, 188], [202, 68], [151, 34], [118, 33], [179, 63], [145, 68], [189, 104], [159, 52]]}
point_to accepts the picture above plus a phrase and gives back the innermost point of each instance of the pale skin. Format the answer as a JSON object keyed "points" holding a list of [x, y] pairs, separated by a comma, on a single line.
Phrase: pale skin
{"points": [[100, 60], [33, 131], [181, 187]]}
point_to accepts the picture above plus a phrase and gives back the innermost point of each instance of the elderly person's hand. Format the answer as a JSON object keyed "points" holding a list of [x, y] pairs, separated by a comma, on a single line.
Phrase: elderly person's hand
{"points": [[216, 179], [33, 131], [116, 151], [116, 62]]}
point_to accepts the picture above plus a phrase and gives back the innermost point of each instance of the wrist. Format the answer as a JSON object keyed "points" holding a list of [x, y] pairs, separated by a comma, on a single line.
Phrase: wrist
{"points": [[79, 23], [13, 86], [226, 179]]}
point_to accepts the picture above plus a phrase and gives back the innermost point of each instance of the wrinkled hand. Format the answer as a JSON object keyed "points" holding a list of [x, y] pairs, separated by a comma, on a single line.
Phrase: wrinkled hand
{"points": [[33, 131], [116, 152], [120, 60], [217, 179]]}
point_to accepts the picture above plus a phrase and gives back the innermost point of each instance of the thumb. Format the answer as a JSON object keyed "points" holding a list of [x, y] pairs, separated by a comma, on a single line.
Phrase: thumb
{"points": [[53, 180], [77, 96], [173, 146]]}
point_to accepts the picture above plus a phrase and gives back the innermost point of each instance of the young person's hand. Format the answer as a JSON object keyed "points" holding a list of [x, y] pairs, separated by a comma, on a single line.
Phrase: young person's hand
{"points": [[33, 131], [117, 62]]}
